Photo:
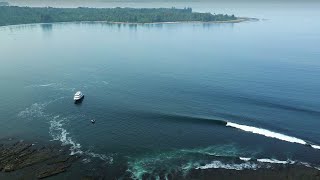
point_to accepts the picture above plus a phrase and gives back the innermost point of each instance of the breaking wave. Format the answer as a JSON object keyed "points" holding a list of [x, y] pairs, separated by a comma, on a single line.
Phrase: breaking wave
{"points": [[219, 164], [315, 146], [271, 134], [275, 161], [251, 129], [244, 159]]}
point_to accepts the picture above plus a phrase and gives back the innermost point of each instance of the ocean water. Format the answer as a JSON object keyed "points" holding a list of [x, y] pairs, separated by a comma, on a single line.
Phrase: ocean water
{"points": [[169, 96]]}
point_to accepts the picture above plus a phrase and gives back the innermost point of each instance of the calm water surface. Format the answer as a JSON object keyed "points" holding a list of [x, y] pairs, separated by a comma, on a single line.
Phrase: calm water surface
{"points": [[175, 96]]}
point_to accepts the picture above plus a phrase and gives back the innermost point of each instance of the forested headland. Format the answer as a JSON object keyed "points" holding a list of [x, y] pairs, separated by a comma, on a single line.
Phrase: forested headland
{"points": [[12, 15], [2, 3]]}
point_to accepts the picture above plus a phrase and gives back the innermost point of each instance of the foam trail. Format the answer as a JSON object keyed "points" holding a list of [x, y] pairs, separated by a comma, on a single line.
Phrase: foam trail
{"points": [[60, 134], [36, 109], [275, 161], [54, 86], [267, 133], [40, 85], [46, 85], [219, 164], [244, 159], [315, 146], [56, 129], [100, 156]]}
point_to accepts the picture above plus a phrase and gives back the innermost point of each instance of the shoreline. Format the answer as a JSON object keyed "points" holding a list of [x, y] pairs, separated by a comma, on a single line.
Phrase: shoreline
{"points": [[239, 20], [29, 160]]}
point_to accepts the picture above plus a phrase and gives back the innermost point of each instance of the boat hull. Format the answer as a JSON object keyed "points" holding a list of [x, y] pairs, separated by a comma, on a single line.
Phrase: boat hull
{"points": [[78, 100]]}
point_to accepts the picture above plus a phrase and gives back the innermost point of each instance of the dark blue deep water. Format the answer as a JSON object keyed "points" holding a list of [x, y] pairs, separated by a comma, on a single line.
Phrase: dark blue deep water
{"points": [[169, 96]]}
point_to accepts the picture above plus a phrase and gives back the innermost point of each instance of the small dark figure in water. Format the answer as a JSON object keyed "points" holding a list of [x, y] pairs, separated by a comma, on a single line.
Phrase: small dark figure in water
{"points": [[93, 121]]}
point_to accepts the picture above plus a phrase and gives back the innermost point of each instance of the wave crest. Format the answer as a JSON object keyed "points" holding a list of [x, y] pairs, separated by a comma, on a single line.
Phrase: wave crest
{"points": [[219, 164], [267, 133], [275, 161]]}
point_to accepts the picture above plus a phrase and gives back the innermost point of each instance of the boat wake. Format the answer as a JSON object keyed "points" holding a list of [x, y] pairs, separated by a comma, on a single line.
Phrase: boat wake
{"points": [[41, 85], [55, 86], [36, 110]]}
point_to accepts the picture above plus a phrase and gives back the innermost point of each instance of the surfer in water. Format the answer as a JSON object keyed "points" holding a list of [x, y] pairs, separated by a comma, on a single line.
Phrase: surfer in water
{"points": [[93, 121]]}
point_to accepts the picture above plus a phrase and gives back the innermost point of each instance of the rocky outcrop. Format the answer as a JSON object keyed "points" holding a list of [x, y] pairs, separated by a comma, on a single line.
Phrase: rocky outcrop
{"points": [[47, 161]]}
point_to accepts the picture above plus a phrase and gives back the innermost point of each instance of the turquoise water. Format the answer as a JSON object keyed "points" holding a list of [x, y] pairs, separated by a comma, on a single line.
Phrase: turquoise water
{"points": [[168, 96]]}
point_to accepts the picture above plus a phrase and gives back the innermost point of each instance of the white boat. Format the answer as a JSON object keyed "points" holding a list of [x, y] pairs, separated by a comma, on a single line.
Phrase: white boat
{"points": [[78, 96]]}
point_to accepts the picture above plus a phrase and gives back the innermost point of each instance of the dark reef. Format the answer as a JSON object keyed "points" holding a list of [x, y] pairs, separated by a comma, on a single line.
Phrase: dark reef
{"points": [[45, 161], [24, 160]]}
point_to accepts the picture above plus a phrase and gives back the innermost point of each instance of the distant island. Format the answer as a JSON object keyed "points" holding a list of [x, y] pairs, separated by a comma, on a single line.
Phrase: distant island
{"points": [[12, 15], [4, 3]]}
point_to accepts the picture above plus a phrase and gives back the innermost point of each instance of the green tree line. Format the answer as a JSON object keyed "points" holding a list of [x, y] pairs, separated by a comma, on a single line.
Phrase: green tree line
{"points": [[10, 15]]}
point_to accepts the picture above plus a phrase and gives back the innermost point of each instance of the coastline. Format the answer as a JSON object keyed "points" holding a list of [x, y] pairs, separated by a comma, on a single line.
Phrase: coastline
{"points": [[31, 160], [239, 20]]}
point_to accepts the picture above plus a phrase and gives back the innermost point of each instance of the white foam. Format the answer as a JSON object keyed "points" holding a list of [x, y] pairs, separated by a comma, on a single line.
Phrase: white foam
{"points": [[219, 164], [305, 164], [100, 156], [244, 159], [275, 161], [46, 85], [41, 85], [56, 129], [267, 133], [105, 82], [60, 134], [86, 160], [315, 146], [35, 110], [271, 134], [55, 86]]}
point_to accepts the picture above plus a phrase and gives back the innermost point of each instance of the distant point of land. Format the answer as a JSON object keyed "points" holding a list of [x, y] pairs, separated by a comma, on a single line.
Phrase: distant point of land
{"points": [[4, 3], [13, 15]]}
